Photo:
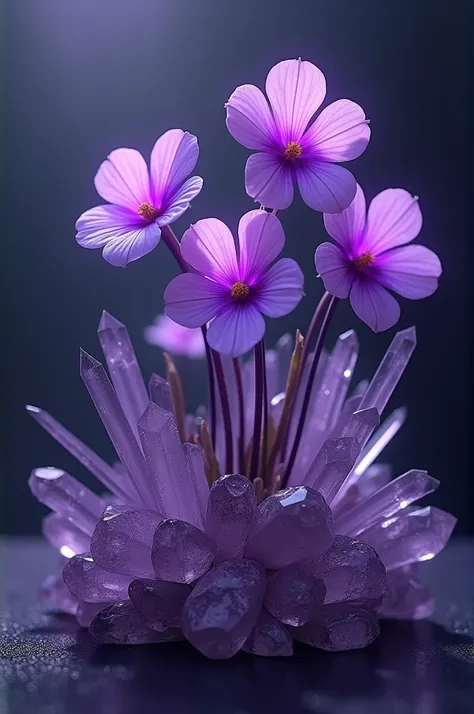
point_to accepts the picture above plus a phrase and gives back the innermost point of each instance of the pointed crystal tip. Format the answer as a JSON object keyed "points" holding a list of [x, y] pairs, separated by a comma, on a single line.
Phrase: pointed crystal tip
{"points": [[87, 362], [409, 334], [154, 418], [369, 416], [33, 410], [109, 322], [349, 336]]}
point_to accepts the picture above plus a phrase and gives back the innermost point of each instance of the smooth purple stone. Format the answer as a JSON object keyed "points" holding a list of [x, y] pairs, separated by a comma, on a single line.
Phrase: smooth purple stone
{"points": [[121, 624], [293, 594], [181, 553], [64, 535], [66, 496], [86, 611], [54, 594], [351, 570], [339, 627], [223, 608], [269, 638], [414, 536], [289, 526], [230, 511], [406, 598], [194, 457], [88, 582], [122, 540], [158, 602]]}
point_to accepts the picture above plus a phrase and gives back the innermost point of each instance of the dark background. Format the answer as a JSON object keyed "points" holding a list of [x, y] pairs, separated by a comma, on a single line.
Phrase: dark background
{"points": [[82, 77]]}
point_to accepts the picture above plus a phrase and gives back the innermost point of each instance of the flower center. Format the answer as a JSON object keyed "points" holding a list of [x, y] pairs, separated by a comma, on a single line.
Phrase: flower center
{"points": [[239, 292], [293, 150], [364, 260], [148, 211]]}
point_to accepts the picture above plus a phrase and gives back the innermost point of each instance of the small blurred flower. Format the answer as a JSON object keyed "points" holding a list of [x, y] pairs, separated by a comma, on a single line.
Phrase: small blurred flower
{"points": [[234, 290], [141, 201], [367, 258], [290, 150], [174, 338]]}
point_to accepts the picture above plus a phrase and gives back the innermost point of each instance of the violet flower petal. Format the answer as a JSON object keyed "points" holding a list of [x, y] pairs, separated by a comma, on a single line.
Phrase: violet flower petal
{"points": [[325, 187], [269, 181], [280, 289], [179, 202], [123, 179], [249, 119], [173, 158], [340, 132], [131, 245], [209, 247], [236, 330], [411, 271], [261, 240], [374, 305], [394, 218], [192, 300], [97, 226], [347, 227], [331, 264]]}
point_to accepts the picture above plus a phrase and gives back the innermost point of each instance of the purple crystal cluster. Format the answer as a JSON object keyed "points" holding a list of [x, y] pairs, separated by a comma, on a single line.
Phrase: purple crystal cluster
{"points": [[177, 549]]}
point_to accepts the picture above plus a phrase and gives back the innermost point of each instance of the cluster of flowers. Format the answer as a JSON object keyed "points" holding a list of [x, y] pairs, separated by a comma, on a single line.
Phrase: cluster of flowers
{"points": [[262, 519]]}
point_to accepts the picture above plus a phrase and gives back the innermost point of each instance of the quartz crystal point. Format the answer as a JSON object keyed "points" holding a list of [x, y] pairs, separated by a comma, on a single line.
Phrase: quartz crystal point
{"points": [[406, 598], [88, 582], [123, 367], [339, 627], [181, 552], [223, 608], [93, 463], [166, 461], [160, 392], [284, 350], [350, 570], [55, 594], [332, 465], [289, 526], [373, 479], [122, 540], [86, 611], [64, 535], [121, 624], [269, 638], [361, 425], [380, 439], [198, 485], [230, 511], [66, 496], [118, 428], [158, 602], [390, 370], [415, 535], [389, 500], [343, 358], [293, 594]]}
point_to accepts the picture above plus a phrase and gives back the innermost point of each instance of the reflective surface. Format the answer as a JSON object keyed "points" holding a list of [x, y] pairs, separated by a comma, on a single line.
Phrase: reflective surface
{"points": [[49, 666]]}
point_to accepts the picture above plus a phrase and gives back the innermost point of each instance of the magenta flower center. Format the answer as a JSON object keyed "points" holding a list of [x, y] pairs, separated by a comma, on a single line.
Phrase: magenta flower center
{"points": [[364, 261], [239, 292], [293, 150], [148, 212]]}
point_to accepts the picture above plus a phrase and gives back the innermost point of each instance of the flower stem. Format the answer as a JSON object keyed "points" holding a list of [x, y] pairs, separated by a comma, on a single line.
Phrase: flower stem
{"points": [[307, 396], [229, 456], [212, 387], [240, 396], [172, 243], [263, 461], [257, 424]]}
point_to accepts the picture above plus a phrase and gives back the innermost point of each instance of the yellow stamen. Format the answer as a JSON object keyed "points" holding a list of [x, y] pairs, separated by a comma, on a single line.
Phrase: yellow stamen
{"points": [[148, 211], [239, 292], [364, 260], [293, 150]]}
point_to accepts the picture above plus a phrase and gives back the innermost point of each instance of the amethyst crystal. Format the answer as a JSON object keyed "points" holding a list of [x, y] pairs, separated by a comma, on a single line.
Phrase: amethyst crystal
{"points": [[177, 549]]}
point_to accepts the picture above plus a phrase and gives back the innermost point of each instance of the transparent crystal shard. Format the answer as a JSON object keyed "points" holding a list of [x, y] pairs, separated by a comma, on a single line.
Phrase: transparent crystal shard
{"points": [[374, 478], [88, 458], [289, 526], [284, 350], [54, 594], [160, 392], [122, 540], [66, 496], [121, 624], [169, 474], [86, 611], [223, 608], [361, 425], [332, 465], [350, 570], [416, 535], [88, 582], [269, 638], [64, 535], [386, 502], [158, 602], [380, 439], [123, 367], [350, 406], [339, 627], [271, 364], [230, 511], [181, 552], [293, 594], [406, 598], [194, 457], [344, 359], [390, 370], [118, 428]]}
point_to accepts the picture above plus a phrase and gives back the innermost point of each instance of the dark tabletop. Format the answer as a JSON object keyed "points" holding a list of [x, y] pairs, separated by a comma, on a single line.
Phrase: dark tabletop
{"points": [[49, 666]]}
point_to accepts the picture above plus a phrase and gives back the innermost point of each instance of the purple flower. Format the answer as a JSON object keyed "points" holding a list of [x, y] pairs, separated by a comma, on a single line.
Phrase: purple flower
{"points": [[174, 338], [367, 259], [234, 289], [290, 150], [142, 202]]}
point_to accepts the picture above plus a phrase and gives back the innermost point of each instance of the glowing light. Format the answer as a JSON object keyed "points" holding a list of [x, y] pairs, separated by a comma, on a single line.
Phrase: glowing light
{"points": [[380, 440], [66, 551], [404, 504], [428, 556], [347, 373]]}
